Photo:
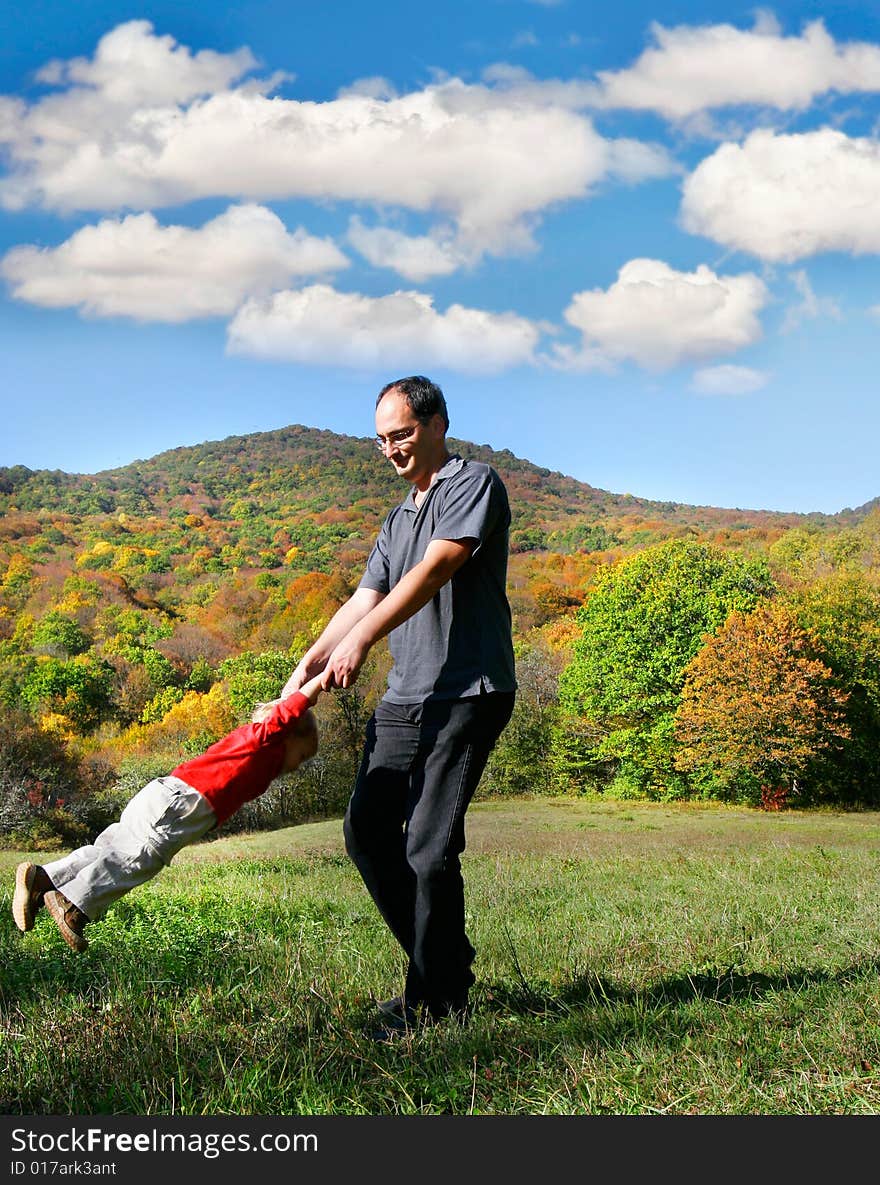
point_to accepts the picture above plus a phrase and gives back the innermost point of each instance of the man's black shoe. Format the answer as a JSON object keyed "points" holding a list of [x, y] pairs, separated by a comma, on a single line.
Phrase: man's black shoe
{"points": [[455, 1009], [395, 1019], [398, 1019], [396, 1007]]}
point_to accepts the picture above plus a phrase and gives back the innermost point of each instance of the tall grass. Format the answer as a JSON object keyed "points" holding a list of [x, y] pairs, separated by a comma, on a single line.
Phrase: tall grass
{"points": [[632, 959]]}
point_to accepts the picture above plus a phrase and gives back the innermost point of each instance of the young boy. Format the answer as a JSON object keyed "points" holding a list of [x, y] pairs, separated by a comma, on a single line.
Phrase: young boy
{"points": [[166, 815]]}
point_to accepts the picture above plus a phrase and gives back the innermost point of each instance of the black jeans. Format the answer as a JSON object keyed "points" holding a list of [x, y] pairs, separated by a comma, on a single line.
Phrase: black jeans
{"points": [[404, 829]]}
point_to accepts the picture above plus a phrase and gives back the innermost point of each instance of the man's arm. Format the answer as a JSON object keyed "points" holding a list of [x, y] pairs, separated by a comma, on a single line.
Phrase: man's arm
{"points": [[443, 558], [312, 663]]}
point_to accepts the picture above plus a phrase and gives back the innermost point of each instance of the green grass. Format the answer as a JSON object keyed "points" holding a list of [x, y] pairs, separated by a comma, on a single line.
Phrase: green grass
{"points": [[632, 959]]}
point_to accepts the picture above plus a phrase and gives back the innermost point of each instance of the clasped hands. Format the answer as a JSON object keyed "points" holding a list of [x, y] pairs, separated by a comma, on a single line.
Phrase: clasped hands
{"points": [[340, 670], [343, 666]]}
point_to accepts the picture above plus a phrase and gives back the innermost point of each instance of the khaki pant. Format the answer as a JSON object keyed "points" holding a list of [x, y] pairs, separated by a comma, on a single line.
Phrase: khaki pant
{"points": [[162, 818]]}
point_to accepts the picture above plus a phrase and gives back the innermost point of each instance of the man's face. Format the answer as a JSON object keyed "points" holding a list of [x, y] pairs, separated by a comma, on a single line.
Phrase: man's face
{"points": [[418, 456]]}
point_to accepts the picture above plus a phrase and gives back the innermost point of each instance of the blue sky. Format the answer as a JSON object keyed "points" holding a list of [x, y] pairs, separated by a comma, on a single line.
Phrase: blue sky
{"points": [[637, 244]]}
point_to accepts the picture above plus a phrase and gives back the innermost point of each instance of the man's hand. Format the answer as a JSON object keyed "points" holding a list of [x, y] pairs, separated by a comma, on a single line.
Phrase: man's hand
{"points": [[344, 664], [315, 659], [305, 670], [311, 689]]}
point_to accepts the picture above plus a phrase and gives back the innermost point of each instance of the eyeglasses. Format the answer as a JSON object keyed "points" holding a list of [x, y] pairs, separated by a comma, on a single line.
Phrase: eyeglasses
{"points": [[394, 438]]}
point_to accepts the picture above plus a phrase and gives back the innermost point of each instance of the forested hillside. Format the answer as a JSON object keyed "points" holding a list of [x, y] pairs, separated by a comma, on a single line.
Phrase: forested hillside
{"points": [[144, 609]]}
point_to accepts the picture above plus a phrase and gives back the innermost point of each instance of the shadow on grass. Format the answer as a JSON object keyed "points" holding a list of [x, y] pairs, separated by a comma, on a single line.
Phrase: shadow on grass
{"points": [[157, 949], [725, 987], [301, 1052]]}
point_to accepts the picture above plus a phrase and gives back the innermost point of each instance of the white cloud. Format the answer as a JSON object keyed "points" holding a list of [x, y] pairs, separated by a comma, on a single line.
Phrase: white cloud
{"points": [[146, 124], [810, 307], [374, 87], [691, 68], [319, 326], [133, 66], [136, 268], [784, 197], [633, 161], [728, 380], [658, 317], [628, 160], [417, 257]]}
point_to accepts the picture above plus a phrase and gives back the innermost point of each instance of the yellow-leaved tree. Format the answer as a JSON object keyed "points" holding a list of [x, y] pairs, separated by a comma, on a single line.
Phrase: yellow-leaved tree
{"points": [[758, 707]]}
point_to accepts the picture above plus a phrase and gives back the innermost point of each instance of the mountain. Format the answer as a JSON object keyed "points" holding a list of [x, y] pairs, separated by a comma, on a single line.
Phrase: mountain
{"points": [[123, 591], [219, 533], [848, 517], [314, 470]]}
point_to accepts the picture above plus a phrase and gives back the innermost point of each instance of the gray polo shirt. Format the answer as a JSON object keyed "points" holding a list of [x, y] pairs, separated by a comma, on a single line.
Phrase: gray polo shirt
{"points": [[460, 642]]}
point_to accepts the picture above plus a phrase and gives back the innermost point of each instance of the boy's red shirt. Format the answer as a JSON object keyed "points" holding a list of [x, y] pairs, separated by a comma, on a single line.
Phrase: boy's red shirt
{"points": [[240, 767]]}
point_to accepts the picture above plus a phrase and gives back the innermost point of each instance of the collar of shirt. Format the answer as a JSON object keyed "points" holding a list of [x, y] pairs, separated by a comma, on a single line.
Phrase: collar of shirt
{"points": [[448, 469]]}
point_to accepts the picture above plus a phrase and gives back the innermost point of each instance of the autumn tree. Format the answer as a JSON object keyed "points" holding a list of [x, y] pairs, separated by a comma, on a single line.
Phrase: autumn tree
{"points": [[307, 604], [185, 729], [46, 793], [808, 554], [758, 706], [640, 628]]}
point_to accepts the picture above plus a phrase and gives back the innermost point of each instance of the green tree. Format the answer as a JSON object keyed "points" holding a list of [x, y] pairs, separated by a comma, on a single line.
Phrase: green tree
{"points": [[131, 631], [14, 674], [255, 678], [201, 675], [641, 626], [60, 637], [519, 762], [161, 672], [78, 689], [161, 703], [842, 610]]}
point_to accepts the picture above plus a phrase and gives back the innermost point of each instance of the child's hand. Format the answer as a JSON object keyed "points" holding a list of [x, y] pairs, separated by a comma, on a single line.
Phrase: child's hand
{"points": [[312, 689], [262, 712]]}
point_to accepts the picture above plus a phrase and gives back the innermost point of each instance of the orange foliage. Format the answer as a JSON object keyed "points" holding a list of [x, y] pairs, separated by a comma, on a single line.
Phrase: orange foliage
{"points": [[755, 701], [312, 599], [19, 526], [335, 515], [561, 635]]}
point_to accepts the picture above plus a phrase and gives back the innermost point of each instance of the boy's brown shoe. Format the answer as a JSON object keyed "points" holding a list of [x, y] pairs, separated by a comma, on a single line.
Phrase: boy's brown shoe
{"points": [[31, 883], [69, 919]]}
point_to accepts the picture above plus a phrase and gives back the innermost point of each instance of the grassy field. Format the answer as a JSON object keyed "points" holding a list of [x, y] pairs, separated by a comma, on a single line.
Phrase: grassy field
{"points": [[632, 959]]}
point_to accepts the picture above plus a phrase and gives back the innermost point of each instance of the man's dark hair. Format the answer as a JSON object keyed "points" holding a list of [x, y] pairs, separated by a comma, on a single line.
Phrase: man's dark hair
{"points": [[424, 398]]}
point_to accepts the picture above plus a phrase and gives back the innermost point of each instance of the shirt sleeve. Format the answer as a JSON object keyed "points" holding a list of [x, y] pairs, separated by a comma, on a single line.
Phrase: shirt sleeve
{"points": [[284, 713], [473, 507], [376, 574]]}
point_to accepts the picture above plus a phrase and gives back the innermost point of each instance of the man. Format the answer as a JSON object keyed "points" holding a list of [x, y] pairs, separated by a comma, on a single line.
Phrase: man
{"points": [[435, 584]]}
